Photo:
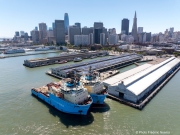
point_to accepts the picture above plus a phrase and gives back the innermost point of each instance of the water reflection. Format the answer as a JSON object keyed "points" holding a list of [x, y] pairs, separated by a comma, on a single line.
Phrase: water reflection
{"points": [[97, 108], [69, 119]]}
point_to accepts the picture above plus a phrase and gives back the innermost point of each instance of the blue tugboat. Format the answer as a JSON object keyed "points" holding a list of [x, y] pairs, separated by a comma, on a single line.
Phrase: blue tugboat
{"points": [[68, 96], [94, 86]]}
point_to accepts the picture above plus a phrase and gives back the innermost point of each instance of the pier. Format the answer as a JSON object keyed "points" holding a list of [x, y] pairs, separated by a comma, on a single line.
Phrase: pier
{"points": [[143, 93], [101, 65], [68, 57]]}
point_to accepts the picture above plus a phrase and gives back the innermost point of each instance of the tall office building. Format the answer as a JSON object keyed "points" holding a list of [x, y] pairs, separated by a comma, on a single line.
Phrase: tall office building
{"points": [[66, 23], [171, 30], [97, 33], [22, 33], [78, 24], [140, 30], [35, 36], [17, 33], [53, 25], [125, 26], [36, 28], [102, 39], [134, 28], [113, 39], [42, 31], [98, 29], [87, 31], [91, 39], [73, 30], [59, 32]]}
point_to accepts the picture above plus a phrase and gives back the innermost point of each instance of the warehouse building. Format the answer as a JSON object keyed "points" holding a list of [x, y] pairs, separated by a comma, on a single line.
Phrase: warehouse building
{"points": [[140, 84]]}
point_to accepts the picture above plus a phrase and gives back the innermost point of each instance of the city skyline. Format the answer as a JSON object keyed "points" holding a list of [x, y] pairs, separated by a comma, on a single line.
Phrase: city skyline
{"points": [[153, 18]]}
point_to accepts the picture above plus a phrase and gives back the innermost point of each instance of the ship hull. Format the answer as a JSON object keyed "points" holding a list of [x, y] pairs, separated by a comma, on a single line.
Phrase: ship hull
{"points": [[63, 105], [98, 99]]}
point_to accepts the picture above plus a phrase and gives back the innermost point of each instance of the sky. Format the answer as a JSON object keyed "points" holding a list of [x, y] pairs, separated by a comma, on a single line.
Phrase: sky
{"points": [[23, 15]]}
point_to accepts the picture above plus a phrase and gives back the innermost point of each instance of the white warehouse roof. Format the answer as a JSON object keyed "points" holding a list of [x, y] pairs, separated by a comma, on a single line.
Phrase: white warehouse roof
{"points": [[133, 78], [119, 77], [141, 85]]}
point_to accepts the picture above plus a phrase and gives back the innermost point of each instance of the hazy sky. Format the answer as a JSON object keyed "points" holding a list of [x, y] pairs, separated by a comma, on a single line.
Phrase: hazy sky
{"points": [[154, 15]]}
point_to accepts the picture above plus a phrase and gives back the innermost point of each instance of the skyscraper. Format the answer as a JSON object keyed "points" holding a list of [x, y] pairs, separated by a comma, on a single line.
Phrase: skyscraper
{"points": [[73, 30], [140, 29], [22, 33], [102, 39], [42, 31], [134, 28], [36, 28], [53, 25], [59, 32], [35, 36], [66, 23], [98, 29], [87, 31], [78, 24], [125, 26], [17, 33]]}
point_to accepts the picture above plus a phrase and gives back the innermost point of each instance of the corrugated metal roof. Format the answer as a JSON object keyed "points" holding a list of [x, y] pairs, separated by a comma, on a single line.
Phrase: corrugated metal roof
{"points": [[119, 77], [141, 85], [145, 72]]}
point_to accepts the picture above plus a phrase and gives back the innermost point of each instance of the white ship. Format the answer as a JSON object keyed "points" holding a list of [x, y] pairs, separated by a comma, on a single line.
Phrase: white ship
{"points": [[94, 86], [12, 51], [42, 49]]}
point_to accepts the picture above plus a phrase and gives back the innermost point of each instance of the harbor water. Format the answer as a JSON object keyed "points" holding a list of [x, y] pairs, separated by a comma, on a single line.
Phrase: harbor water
{"points": [[21, 113]]}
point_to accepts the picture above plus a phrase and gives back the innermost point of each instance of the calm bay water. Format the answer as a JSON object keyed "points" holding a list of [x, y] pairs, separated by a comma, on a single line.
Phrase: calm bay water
{"points": [[21, 113]]}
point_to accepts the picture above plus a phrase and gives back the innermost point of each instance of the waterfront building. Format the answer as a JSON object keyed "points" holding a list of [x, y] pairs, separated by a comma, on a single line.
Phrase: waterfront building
{"points": [[140, 30], [73, 30], [17, 33], [87, 31], [125, 26], [137, 83], [42, 31], [113, 39], [102, 39], [59, 32], [134, 29], [66, 23], [91, 38], [35, 36]]}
